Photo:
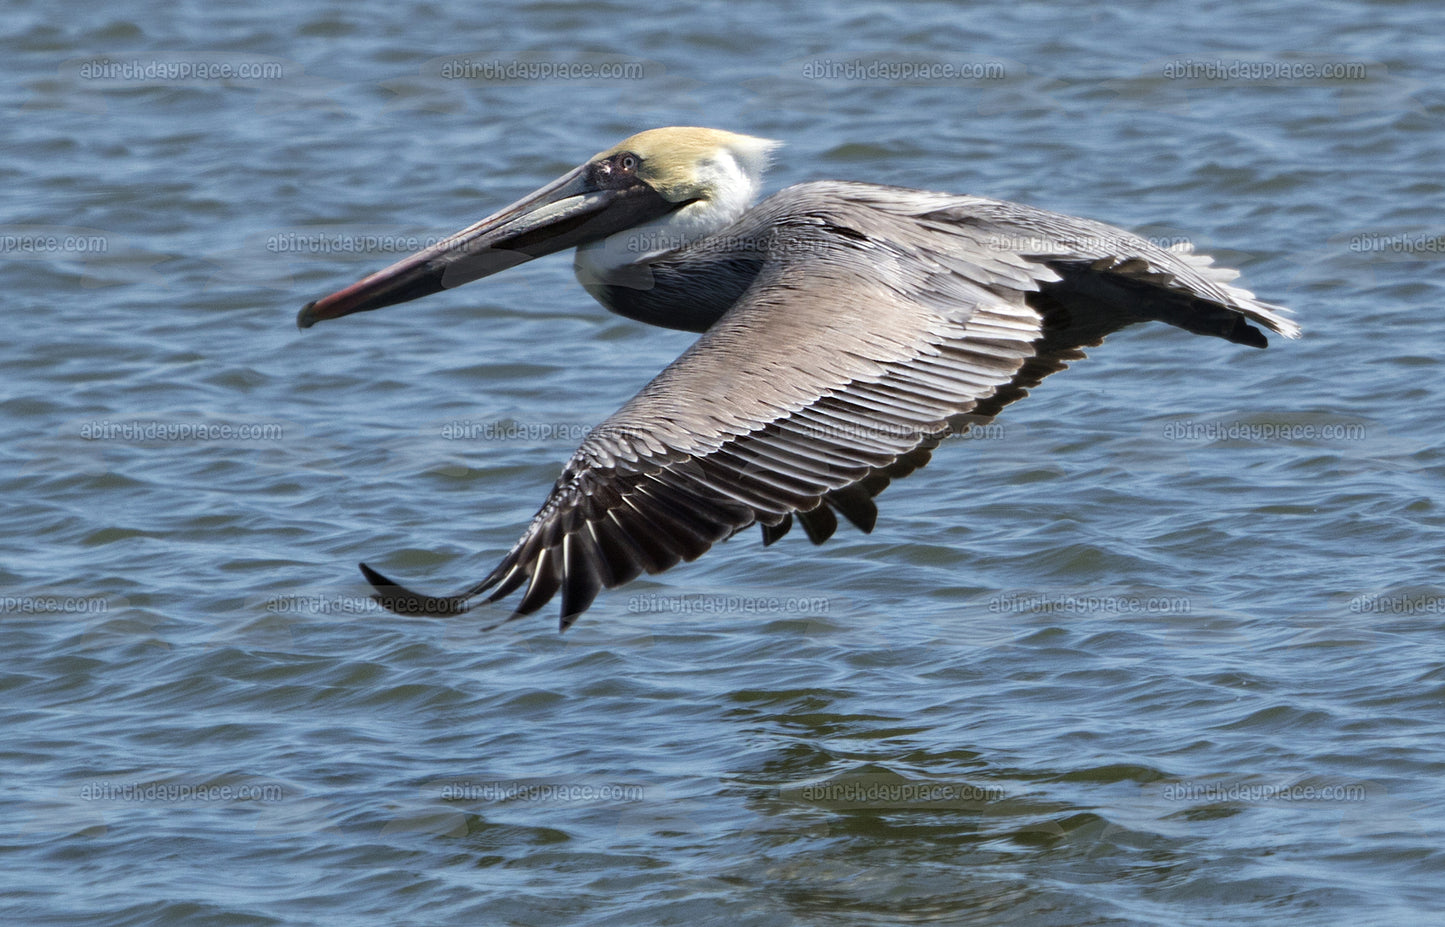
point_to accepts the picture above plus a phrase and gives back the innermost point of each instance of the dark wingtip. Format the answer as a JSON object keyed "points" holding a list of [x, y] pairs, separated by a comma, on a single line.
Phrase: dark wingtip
{"points": [[772, 533], [819, 523], [1247, 335], [400, 600]]}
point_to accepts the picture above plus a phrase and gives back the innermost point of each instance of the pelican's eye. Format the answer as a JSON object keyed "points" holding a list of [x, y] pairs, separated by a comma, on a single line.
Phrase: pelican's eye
{"points": [[615, 172]]}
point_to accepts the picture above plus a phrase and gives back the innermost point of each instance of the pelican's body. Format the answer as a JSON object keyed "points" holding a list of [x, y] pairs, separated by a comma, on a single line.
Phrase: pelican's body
{"points": [[848, 328]]}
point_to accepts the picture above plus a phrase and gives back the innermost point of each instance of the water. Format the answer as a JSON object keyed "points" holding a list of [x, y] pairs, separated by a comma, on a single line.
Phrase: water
{"points": [[1164, 648]]}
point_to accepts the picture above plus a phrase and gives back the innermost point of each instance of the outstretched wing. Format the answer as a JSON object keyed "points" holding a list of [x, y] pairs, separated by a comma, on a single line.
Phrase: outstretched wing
{"points": [[882, 320]]}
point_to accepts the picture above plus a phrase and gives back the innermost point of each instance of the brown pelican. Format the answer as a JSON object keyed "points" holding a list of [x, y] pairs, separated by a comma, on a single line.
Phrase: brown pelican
{"points": [[847, 328]]}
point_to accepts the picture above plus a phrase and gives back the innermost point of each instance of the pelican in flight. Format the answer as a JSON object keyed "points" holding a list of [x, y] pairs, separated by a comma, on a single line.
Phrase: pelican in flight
{"points": [[846, 330]]}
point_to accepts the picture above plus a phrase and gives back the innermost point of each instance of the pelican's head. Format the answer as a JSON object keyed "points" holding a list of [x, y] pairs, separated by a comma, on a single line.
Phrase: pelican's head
{"points": [[658, 190]]}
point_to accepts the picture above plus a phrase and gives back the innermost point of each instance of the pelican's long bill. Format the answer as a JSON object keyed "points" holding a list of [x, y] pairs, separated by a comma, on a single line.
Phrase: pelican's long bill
{"points": [[584, 205]]}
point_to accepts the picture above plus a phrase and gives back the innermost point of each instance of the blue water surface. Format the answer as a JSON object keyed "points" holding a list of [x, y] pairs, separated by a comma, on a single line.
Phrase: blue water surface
{"points": [[1164, 646]]}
